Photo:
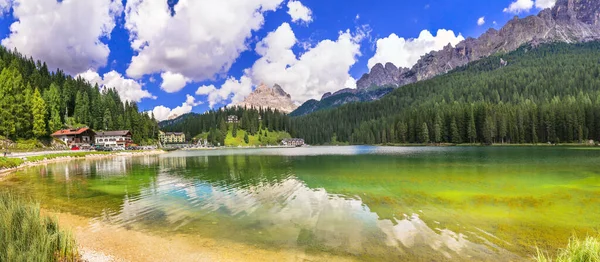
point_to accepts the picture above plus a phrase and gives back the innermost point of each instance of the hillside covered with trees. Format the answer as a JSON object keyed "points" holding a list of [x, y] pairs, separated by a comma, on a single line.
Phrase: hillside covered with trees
{"points": [[548, 93], [254, 126], [35, 102]]}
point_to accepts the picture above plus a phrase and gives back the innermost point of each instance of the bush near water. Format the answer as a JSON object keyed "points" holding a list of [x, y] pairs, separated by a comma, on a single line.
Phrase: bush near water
{"points": [[25, 235], [578, 250]]}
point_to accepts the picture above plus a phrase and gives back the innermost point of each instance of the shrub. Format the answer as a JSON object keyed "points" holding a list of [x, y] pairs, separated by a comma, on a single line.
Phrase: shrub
{"points": [[577, 250], [27, 236], [10, 162]]}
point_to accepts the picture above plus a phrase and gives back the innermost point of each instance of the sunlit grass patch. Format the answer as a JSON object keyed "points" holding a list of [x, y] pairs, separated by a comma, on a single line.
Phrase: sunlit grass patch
{"points": [[25, 235], [10, 162], [578, 250], [72, 154]]}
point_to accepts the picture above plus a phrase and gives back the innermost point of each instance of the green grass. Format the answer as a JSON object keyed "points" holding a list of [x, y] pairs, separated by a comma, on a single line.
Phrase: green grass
{"points": [[54, 156], [267, 138], [10, 162], [28, 145], [587, 250], [25, 235]]}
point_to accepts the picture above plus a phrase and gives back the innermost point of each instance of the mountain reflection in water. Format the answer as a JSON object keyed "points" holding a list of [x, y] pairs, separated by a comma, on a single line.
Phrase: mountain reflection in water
{"points": [[368, 203]]}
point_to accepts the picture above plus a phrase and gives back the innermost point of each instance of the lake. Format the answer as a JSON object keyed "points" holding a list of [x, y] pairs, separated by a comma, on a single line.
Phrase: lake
{"points": [[358, 203]]}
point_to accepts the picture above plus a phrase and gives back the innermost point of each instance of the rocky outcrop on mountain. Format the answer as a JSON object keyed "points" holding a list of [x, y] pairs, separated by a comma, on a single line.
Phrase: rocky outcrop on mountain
{"points": [[568, 21], [265, 97], [381, 75]]}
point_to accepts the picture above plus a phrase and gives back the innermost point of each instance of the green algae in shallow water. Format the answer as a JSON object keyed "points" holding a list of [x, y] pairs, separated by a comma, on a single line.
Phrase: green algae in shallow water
{"points": [[368, 203]]}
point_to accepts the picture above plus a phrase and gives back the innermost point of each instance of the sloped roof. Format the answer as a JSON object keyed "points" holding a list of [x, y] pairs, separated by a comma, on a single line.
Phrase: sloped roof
{"points": [[113, 133], [71, 132], [174, 133]]}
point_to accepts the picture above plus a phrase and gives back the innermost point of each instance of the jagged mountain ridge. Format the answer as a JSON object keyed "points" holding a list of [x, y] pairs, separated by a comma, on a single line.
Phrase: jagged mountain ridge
{"points": [[568, 21], [265, 97]]}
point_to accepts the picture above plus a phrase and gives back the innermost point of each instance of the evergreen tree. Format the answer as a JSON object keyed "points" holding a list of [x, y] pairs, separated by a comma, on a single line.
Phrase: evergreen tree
{"points": [[223, 126], [107, 120], [246, 138], [471, 128], [454, 133], [53, 105], [424, 137], [38, 107], [7, 102], [437, 129], [402, 132], [488, 130], [234, 130]]}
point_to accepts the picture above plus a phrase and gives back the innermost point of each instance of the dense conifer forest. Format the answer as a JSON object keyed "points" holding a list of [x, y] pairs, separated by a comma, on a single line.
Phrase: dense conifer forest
{"points": [[35, 102], [549, 93]]}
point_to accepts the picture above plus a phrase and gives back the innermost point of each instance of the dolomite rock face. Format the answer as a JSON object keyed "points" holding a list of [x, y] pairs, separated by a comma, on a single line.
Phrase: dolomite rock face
{"points": [[266, 97], [568, 21]]}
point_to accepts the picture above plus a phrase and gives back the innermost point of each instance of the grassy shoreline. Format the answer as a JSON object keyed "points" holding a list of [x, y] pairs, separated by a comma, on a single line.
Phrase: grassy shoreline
{"points": [[26, 235], [10, 164], [578, 250]]}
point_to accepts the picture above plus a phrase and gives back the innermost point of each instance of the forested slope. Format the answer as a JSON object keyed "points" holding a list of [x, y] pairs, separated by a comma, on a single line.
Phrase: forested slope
{"points": [[216, 129], [548, 93], [35, 102]]}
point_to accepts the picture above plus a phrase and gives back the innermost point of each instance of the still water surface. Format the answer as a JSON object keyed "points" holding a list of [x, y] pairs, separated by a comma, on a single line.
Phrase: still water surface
{"points": [[363, 203]]}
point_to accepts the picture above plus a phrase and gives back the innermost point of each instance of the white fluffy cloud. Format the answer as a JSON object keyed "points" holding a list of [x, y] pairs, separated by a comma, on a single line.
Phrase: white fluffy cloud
{"points": [[128, 89], [406, 52], [233, 89], [524, 6], [162, 113], [202, 39], [299, 12], [64, 34], [519, 6], [5, 6], [481, 21], [543, 4], [173, 82], [322, 68]]}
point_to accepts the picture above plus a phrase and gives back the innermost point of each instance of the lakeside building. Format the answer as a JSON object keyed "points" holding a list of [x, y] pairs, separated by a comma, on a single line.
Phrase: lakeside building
{"points": [[114, 138], [232, 119], [171, 137], [292, 142], [75, 137]]}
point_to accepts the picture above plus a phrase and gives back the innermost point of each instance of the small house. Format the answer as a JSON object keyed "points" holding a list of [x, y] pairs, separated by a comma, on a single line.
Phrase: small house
{"points": [[75, 137], [232, 119], [294, 142], [114, 138]]}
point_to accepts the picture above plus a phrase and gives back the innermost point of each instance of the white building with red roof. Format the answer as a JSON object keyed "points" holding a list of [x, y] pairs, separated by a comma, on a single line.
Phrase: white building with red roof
{"points": [[75, 137]]}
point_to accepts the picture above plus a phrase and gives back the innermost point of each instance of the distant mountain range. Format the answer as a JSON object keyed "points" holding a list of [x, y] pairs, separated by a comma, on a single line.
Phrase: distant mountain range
{"points": [[568, 21], [265, 97], [172, 121], [341, 97]]}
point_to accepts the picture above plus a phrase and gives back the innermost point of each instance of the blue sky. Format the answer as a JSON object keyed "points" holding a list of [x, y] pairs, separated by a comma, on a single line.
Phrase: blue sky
{"points": [[177, 56]]}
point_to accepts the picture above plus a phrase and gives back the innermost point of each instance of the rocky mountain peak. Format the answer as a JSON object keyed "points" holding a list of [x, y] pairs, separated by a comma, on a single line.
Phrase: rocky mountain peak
{"points": [[279, 91], [381, 75], [266, 97], [568, 21]]}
